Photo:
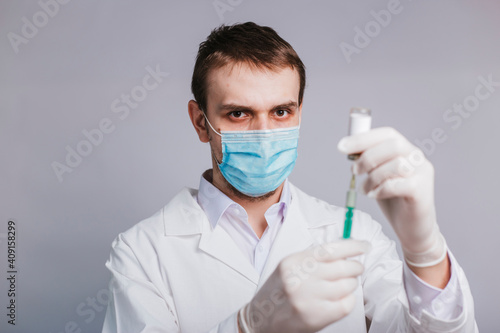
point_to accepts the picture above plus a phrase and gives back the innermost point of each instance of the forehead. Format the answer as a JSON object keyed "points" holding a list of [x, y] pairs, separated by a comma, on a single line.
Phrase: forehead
{"points": [[252, 86]]}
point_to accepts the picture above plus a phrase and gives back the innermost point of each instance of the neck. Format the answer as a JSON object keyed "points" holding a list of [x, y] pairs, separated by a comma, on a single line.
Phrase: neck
{"points": [[255, 207]]}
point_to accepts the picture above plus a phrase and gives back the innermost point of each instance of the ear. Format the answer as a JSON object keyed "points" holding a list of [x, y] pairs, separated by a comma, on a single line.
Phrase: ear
{"points": [[198, 120]]}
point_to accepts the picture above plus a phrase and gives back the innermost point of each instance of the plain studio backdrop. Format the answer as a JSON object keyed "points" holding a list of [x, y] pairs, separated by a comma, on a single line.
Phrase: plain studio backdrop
{"points": [[81, 163]]}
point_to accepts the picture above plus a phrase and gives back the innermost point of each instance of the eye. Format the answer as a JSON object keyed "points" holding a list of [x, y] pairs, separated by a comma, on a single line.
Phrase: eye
{"points": [[281, 113], [236, 114]]}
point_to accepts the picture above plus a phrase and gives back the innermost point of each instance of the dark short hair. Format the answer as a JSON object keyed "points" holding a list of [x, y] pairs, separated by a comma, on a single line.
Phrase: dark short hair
{"points": [[248, 43]]}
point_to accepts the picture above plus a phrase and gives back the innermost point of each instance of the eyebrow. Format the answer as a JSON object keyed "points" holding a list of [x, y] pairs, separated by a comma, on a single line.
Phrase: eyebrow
{"points": [[236, 107]]}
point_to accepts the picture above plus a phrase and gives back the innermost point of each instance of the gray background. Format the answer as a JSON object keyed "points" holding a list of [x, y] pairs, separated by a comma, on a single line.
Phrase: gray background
{"points": [[65, 78]]}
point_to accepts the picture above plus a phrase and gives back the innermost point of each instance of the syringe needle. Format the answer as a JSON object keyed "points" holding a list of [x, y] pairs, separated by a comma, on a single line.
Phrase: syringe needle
{"points": [[360, 120]]}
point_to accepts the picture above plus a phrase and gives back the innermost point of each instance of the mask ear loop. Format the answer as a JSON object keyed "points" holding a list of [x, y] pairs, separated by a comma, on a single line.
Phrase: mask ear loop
{"points": [[213, 129]]}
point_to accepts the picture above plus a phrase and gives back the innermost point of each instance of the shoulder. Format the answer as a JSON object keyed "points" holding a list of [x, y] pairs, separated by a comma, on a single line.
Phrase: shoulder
{"points": [[151, 229], [135, 252]]}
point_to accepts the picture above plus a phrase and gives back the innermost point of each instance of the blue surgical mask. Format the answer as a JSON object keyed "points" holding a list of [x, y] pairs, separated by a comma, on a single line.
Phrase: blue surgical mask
{"points": [[257, 162]]}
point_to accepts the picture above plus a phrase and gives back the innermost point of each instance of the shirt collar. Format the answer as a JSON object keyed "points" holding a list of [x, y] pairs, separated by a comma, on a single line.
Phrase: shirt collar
{"points": [[214, 203]]}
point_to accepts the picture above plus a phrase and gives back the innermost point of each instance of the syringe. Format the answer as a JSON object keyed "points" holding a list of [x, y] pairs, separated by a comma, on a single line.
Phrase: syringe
{"points": [[360, 120], [350, 204]]}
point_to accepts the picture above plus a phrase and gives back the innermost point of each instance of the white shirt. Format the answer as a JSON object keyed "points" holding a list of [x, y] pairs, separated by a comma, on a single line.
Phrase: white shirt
{"points": [[225, 213]]}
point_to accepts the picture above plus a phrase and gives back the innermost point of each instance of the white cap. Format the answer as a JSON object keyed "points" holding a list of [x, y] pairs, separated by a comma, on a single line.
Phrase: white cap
{"points": [[360, 120]]}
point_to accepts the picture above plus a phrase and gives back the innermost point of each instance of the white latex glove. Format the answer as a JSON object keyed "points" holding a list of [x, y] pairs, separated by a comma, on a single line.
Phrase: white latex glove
{"points": [[402, 181], [308, 290]]}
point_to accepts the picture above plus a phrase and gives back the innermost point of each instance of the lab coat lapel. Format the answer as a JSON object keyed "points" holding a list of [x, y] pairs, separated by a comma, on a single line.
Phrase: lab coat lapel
{"points": [[221, 246], [293, 236], [183, 216]]}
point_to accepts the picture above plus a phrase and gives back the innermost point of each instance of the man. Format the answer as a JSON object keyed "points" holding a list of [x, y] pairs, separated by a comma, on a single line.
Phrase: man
{"points": [[250, 252]]}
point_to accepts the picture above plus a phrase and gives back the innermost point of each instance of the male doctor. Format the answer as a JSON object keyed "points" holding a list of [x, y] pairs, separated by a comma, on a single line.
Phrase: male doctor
{"points": [[250, 252]]}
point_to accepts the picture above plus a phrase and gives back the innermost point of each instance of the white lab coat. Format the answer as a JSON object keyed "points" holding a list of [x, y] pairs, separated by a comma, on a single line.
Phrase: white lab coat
{"points": [[173, 273]]}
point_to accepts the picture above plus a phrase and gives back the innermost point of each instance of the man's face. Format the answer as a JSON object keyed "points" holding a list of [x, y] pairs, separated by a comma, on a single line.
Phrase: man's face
{"points": [[242, 98]]}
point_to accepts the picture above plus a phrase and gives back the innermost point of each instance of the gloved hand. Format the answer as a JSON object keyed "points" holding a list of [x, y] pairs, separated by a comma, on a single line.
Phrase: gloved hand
{"points": [[308, 290], [402, 181]]}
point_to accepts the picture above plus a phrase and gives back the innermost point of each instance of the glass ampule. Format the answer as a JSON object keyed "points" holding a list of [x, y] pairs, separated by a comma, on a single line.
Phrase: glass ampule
{"points": [[360, 120]]}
